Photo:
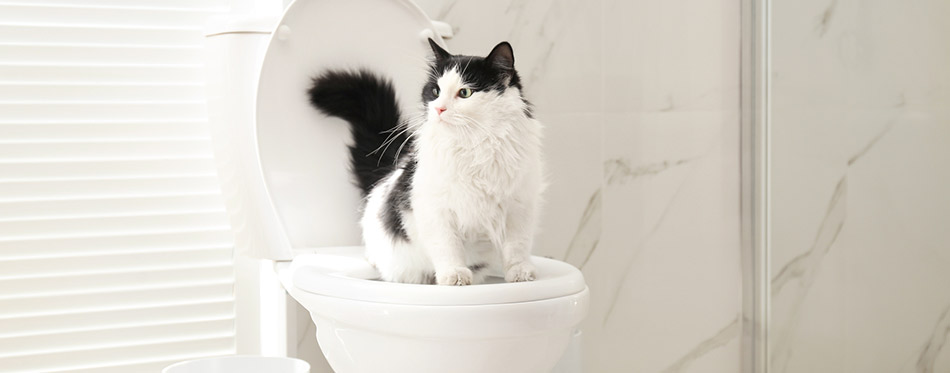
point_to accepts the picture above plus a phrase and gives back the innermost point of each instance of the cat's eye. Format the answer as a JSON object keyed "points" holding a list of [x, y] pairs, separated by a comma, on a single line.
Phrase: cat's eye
{"points": [[435, 91], [465, 93]]}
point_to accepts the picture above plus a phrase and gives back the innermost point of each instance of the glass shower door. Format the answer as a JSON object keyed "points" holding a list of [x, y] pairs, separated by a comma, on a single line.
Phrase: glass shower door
{"points": [[857, 182]]}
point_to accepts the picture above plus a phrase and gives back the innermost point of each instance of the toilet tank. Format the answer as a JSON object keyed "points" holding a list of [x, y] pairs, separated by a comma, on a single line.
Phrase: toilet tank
{"points": [[284, 166], [234, 49]]}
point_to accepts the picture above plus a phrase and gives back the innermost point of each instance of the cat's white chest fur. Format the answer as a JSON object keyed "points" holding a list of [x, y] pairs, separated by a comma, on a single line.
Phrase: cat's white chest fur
{"points": [[478, 180]]}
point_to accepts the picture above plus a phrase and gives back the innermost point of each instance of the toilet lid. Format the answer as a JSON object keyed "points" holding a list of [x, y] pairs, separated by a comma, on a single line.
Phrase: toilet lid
{"points": [[344, 273], [302, 153]]}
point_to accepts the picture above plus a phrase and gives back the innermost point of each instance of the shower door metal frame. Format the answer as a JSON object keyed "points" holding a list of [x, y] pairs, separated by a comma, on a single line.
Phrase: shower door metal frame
{"points": [[754, 182]]}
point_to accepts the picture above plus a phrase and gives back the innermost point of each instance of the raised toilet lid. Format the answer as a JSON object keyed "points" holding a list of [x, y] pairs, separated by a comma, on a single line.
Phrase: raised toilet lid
{"points": [[344, 273], [303, 153]]}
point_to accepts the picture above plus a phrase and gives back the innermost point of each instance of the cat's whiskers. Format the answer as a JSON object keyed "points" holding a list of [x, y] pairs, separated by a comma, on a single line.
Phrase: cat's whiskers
{"points": [[409, 125], [398, 151], [387, 143], [394, 128], [393, 135], [412, 125], [398, 127]]}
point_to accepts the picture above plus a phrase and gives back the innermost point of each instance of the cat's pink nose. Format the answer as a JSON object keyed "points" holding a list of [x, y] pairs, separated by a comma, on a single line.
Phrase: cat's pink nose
{"points": [[439, 110]]}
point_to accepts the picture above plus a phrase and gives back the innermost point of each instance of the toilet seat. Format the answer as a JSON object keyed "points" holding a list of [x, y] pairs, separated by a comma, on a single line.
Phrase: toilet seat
{"points": [[303, 160], [344, 273]]}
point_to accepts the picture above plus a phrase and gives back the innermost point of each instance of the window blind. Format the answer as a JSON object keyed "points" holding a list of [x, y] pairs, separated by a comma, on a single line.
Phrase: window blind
{"points": [[115, 252]]}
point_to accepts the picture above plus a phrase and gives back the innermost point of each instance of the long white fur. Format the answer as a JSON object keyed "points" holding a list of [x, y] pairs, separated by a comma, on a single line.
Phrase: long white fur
{"points": [[475, 196]]}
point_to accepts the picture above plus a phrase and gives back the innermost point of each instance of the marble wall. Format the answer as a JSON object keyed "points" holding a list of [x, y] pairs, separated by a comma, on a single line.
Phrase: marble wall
{"points": [[640, 100], [860, 262]]}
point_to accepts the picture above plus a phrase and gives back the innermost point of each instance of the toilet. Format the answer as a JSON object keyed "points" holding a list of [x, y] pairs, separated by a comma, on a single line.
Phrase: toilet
{"points": [[284, 174]]}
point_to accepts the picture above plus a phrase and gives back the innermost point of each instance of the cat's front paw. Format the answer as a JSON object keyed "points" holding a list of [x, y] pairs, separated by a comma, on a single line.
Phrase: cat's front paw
{"points": [[520, 272], [457, 276]]}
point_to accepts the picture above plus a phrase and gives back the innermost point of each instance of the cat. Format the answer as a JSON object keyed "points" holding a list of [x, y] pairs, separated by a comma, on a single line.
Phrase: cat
{"points": [[454, 192]]}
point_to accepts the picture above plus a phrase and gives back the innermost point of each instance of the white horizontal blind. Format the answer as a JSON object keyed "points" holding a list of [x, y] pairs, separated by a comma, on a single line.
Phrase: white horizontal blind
{"points": [[115, 253]]}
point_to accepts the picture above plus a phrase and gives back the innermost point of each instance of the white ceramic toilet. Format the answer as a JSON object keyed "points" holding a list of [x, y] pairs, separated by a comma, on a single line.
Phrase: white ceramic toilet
{"points": [[283, 168]]}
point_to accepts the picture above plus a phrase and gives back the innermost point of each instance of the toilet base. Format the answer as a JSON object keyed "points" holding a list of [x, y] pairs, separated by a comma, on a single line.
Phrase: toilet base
{"points": [[391, 353]]}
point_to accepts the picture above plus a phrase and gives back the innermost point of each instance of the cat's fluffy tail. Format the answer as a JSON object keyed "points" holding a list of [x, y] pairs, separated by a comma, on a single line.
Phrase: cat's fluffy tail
{"points": [[368, 103]]}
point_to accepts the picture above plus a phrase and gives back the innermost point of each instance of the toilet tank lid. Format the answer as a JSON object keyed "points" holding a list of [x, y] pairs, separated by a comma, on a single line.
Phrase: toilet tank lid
{"points": [[240, 23]]}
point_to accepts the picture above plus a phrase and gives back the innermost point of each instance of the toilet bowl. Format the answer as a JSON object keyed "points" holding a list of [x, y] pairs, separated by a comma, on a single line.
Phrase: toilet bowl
{"points": [[283, 171], [366, 325]]}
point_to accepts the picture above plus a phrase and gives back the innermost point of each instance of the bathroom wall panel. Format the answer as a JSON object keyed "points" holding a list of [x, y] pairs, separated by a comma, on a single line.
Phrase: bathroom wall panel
{"points": [[667, 259], [860, 173], [574, 159]]}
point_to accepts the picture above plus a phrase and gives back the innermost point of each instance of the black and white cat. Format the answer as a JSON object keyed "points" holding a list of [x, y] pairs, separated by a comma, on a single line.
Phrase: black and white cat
{"points": [[463, 196]]}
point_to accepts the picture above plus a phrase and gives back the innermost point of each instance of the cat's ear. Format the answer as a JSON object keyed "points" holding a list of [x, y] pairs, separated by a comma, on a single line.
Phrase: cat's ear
{"points": [[440, 53], [502, 56]]}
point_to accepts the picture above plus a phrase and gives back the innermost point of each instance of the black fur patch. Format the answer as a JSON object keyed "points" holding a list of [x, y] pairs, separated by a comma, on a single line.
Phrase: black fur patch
{"points": [[368, 103], [399, 201]]}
